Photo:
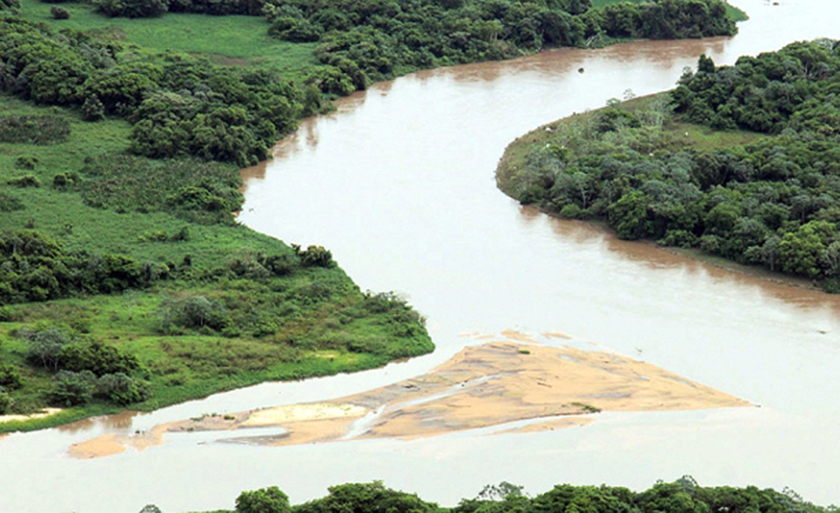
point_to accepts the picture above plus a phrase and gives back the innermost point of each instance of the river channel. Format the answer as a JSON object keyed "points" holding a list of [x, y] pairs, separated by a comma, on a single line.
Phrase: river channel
{"points": [[399, 185]]}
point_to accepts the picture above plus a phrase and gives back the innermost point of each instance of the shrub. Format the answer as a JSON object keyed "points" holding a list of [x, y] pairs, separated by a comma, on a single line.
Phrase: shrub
{"points": [[131, 8], [6, 402], [264, 500], [96, 357], [121, 389], [9, 377], [72, 388], [193, 312], [59, 13], [65, 180], [26, 162], [44, 347], [315, 256], [40, 130], [25, 181], [93, 109], [9, 203]]}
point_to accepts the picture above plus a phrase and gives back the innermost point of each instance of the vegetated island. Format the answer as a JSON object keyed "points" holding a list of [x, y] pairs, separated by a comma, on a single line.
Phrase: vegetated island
{"points": [[684, 495], [741, 162], [124, 276]]}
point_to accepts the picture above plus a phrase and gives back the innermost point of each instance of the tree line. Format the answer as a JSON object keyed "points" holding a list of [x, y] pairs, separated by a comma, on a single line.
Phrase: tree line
{"points": [[682, 496]]}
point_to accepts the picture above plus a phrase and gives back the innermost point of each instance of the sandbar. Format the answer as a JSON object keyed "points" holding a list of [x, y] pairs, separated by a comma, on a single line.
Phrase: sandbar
{"points": [[481, 386]]}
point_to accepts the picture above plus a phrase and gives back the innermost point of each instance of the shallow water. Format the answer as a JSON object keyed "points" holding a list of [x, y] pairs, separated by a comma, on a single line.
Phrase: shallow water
{"points": [[399, 185]]}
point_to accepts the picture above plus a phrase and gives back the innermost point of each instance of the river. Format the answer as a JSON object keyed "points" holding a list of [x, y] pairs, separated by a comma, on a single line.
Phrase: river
{"points": [[399, 184]]}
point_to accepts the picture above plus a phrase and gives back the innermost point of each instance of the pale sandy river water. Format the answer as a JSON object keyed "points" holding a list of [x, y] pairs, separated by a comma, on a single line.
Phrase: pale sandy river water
{"points": [[399, 185]]}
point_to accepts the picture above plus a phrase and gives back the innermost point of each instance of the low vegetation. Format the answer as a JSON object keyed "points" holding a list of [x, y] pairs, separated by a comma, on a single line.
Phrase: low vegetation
{"points": [[738, 161]]}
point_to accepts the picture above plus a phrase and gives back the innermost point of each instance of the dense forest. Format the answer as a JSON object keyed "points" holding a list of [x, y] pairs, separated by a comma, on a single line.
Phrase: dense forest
{"points": [[189, 107], [739, 161], [682, 496]]}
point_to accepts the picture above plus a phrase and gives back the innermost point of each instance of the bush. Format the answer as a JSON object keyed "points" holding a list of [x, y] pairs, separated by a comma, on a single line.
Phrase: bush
{"points": [[26, 162], [59, 13], [9, 377], [44, 347], [9, 203], [122, 389], [6, 402], [25, 181], [96, 357], [131, 8], [72, 388], [315, 256], [193, 312], [264, 500], [93, 109]]}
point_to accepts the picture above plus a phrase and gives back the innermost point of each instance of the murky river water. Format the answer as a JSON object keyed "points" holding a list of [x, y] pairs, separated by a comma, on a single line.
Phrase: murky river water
{"points": [[399, 185]]}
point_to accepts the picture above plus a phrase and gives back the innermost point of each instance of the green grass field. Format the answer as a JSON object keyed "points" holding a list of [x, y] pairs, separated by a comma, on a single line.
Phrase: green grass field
{"points": [[311, 322], [234, 40]]}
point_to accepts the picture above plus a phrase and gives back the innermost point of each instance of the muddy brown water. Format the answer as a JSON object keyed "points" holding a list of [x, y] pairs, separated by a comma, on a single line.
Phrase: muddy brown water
{"points": [[399, 184]]}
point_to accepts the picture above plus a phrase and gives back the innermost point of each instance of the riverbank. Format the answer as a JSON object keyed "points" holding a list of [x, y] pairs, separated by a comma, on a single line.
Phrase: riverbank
{"points": [[651, 174]]}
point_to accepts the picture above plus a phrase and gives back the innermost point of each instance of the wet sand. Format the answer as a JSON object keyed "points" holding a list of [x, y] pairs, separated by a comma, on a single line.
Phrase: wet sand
{"points": [[482, 386], [115, 443]]}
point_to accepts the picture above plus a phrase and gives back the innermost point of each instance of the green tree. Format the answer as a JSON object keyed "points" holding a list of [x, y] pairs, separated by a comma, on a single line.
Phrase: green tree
{"points": [[264, 500]]}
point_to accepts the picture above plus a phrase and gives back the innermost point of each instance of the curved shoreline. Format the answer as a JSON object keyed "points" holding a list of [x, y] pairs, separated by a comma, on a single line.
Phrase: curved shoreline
{"points": [[507, 166]]}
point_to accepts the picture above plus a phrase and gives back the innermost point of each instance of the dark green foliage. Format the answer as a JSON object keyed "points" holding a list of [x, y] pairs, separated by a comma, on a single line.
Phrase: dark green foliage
{"points": [[120, 388], [43, 348], [25, 181], [6, 402], [9, 203], [774, 202], [364, 41], [131, 8], [193, 312], [26, 162], [193, 190], [366, 498], [34, 267], [6, 5], [72, 388], [793, 88], [179, 107], [264, 500], [59, 13], [9, 377], [93, 109], [41, 130], [96, 357], [314, 256]]}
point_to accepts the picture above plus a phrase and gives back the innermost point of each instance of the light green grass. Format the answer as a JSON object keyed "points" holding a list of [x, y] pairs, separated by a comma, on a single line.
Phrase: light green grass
{"points": [[235, 40]]}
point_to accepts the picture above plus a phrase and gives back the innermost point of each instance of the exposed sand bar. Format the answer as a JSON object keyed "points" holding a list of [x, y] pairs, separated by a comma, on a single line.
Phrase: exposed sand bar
{"points": [[482, 386], [45, 413]]}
